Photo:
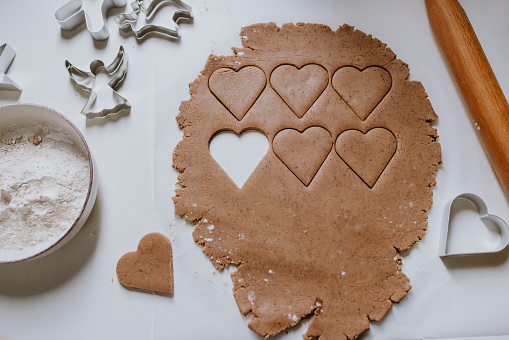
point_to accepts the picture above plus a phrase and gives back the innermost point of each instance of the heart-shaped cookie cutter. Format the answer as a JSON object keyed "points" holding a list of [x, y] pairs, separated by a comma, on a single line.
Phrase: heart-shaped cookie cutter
{"points": [[484, 216]]}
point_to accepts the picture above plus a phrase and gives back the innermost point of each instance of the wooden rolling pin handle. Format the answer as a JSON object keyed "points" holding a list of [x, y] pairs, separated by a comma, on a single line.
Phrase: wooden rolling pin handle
{"points": [[476, 81]]}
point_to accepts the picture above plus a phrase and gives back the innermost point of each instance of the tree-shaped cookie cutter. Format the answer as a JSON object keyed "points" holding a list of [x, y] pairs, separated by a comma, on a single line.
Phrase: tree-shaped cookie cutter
{"points": [[484, 216], [73, 14], [7, 55], [126, 21], [116, 71]]}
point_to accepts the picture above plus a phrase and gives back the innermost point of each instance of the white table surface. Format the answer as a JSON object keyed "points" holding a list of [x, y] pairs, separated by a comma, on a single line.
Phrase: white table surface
{"points": [[74, 293]]}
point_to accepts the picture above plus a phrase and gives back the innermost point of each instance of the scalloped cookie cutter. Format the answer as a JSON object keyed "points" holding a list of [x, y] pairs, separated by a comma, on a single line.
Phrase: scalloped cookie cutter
{"points": [[484, 216], [7, 55], [126, 21], [73, 14], [116, 72]]}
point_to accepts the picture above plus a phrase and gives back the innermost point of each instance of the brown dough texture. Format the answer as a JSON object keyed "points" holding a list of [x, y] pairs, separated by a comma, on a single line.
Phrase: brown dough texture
{"points": [[150, 267], [318, 228]]}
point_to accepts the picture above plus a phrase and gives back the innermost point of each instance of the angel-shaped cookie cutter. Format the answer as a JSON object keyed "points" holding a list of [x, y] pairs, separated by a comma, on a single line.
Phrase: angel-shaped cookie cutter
{"points": [[126, 21], [500, 224], [102, 93], [73, 14], [7, 55]]}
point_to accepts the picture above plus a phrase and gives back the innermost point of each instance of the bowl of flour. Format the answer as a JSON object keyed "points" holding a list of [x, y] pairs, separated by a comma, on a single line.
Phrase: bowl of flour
{"points": [[48, 181]]}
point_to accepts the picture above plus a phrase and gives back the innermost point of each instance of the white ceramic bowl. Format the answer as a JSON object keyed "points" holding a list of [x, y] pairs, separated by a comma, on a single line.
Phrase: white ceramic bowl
{"points": [[20, 113]]}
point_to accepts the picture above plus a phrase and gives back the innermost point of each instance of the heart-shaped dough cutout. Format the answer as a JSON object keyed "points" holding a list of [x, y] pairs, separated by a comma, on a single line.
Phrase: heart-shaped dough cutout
{"points": [[482, 209], [362, 90], [299, 87], [303, 153], [239, 155], [150, 267], [237, 90], [367, 154]]}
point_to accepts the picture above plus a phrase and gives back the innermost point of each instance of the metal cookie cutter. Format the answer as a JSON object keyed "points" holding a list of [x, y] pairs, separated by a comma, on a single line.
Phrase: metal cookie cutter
{"points": [[72, 14], [102, 93], [484, 216], [126, 21], [7, 55]]}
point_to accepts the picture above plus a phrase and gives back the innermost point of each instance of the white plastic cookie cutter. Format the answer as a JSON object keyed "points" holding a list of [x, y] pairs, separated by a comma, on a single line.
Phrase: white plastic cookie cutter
{"points": [[7, 55], [149, 8], [74, 13], [102, 95], [500, 224]]}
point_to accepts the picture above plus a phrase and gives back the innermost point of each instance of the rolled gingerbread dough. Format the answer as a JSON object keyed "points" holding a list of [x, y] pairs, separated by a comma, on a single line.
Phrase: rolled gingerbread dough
{"points": [[318, 228]]}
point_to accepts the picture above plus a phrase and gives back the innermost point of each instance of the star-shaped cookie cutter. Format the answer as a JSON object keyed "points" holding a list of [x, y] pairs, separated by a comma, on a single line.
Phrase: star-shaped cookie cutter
{"points": [[126, 21], [500, 224], [86, 80], [7, 55], [73, 14]]}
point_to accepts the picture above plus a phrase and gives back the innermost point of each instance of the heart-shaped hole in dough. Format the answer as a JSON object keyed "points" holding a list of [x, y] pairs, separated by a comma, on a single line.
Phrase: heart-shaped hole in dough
{"points": [[239, 155]]}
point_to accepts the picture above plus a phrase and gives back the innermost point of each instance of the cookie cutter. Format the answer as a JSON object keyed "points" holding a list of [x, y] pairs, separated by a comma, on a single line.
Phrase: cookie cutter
{"points": [[73, 14], [126, 21], [501, 225], [86, 80], [7, 55]]}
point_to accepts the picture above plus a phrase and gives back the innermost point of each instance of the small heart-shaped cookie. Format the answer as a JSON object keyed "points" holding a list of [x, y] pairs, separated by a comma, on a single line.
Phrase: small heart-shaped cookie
{"points": [[299, 87], [363, 89], [237, 90], [150, 267], [367, 154], [303, 153], [482, 209]]}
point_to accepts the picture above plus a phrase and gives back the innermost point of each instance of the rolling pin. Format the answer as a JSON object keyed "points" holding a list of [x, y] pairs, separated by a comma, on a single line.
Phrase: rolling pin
{"points": [[476, 81]]}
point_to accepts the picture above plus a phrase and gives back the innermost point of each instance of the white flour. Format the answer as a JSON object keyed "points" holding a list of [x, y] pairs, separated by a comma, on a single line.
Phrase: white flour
{"points": [[44, 180]]}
